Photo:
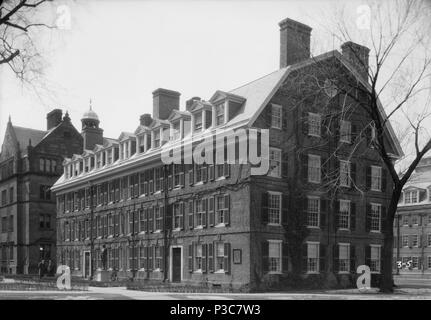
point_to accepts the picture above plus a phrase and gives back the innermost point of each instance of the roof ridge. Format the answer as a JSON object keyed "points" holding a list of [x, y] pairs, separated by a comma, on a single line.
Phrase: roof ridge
{"points": [[260, 78]]}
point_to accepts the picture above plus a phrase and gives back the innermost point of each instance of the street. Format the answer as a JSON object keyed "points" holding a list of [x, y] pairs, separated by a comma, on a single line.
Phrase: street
{"points": [[406, 291]]}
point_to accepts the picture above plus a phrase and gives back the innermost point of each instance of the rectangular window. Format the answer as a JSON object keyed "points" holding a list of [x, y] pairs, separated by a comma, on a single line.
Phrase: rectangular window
{"points": [[345, 131], [344, 215], [411, 196], [344, 257], [429, 262], [313, 212], [219, 256], [405, 240], [275, 256], [375, 258], [429, 240], [3, 197], [274, 208], [276, 119], [415, 262], [198, 122], [376, 178], [176, 134], [198, 259], [376, 210], [11, 195], [312, 257], [274, 163], [415, 220], [222, 208], [219, 109], [314, 168], [314, 124], [10, 227], [344, 173], [178, 215], [156, 138], [415, 240], [158, 215], [200, 210]]}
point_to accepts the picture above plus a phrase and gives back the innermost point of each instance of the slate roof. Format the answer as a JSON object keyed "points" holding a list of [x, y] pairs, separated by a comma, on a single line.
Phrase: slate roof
{"points": [[23, 135]]}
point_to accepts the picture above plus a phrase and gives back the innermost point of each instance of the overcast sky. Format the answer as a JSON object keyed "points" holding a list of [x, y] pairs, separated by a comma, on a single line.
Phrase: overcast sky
{"points": [[117, 52]]}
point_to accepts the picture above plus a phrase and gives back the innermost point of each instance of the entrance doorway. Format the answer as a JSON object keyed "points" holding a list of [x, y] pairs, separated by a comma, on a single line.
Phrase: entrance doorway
{"points": [[87, 264], [176, 264]]}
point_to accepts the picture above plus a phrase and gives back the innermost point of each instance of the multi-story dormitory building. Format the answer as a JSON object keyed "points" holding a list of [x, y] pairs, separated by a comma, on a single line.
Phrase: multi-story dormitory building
{"points": [[412, 226], [30, 163], [223, 225]]}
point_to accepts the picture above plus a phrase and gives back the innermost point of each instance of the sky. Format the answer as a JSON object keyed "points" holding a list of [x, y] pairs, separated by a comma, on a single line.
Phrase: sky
{"points": [[116, 53]]}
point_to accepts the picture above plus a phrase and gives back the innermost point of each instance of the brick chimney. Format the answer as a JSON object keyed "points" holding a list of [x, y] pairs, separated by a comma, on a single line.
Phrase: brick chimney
{"points": [[294, 42], [53, 118], [190, 102], [164, 101], [145, 120], [357, 55]]}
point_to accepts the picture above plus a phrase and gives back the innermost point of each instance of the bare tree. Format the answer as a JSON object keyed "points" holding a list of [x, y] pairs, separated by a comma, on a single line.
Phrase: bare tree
{"points": [[393, 86], [19, 24]]}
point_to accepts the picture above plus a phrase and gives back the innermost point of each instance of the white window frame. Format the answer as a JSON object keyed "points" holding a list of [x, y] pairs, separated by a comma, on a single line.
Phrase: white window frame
{"points": [[376, 205], [279, 194], [312, 170], [408, 195], [317, 213], [343, 172], [279, 266], [340, 244], [376, 175], [348, 202], [405, 244], [275, 158], [417, 240], [345, 131], [380, 257], [276, 119], [318, 257], [314, 124]]}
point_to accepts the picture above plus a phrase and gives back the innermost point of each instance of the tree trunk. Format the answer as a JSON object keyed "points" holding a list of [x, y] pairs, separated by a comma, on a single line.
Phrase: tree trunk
{"points": [[387, 282]]}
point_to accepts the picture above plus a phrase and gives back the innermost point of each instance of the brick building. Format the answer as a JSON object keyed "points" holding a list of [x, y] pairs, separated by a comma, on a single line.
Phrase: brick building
{"points": [[30, 163], [216, 223], [412, 225]]}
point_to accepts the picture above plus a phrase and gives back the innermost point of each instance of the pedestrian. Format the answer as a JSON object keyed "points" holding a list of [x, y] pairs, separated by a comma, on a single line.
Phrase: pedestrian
{"points": [[50, 268], [41, 268]]}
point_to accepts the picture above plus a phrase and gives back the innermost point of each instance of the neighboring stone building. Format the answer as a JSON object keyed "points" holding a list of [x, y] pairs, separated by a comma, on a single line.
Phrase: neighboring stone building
{"points": [[30, 163], [224, 226], [412, 226]]}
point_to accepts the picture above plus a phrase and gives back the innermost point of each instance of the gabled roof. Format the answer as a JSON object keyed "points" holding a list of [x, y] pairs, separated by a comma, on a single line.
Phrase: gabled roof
{"points": [[221, 95], [177, 114], [24, 135], [199, 104], [125, 136], [141, 129], [159, 122], [109, 142], [259, 92]]}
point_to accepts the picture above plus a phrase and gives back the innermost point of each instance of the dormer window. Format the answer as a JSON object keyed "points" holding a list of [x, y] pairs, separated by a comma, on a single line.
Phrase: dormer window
{"points": [[176, 134], [198, 122], [219, 110], [156, 138], [99, 160], [109, 152], [411, 196]]}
